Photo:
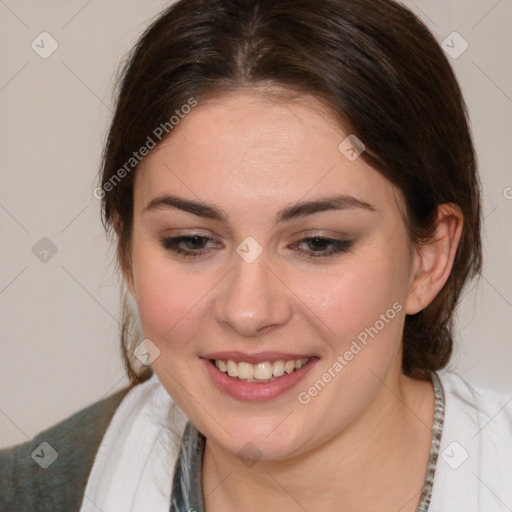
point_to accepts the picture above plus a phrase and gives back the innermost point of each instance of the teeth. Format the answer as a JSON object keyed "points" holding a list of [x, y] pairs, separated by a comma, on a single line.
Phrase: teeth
{"points": [[278, 369], [299, 363], [263, 371], [232, 368], [289, 366], [246, 370], [221, 365]]}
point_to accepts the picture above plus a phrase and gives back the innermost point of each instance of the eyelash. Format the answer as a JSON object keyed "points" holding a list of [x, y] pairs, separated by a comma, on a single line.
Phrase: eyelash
{"points": [[339, 246]]}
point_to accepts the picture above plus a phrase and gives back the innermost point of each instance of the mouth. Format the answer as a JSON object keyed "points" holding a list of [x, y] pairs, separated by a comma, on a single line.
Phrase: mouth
{"points": [[257, 377]]}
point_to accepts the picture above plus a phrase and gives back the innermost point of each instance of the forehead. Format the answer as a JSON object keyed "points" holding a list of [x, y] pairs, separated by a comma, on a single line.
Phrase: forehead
{"points": [[247, 148]]}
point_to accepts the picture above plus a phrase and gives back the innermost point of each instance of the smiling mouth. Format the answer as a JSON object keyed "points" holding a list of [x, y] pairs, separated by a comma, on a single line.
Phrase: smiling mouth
{"points": [[261, 372]]}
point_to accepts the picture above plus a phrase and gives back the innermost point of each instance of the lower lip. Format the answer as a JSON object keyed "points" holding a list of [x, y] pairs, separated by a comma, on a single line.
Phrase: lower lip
{"points": [[254, 390]]}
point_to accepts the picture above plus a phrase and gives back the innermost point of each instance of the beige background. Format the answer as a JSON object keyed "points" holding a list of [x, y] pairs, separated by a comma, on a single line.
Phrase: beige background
{"points": [[59, 342]]}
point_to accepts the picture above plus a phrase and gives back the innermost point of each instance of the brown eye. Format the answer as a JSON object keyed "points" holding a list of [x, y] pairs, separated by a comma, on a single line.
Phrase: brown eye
{"points": [[321, 247], [188, 246]]}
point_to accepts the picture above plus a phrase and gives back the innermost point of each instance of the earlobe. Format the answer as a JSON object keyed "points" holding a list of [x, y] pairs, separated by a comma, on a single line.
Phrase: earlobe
{"points": [[433, 259]]}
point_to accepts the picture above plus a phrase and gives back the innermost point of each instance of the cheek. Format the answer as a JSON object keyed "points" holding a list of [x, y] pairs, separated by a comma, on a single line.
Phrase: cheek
{"points": [[167, 297], [352, 298], [361, 308]]}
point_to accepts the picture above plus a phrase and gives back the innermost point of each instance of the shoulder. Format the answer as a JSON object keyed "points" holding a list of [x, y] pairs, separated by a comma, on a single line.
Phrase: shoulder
{"points": [[50, 471], [484, 412], [472, 469]]}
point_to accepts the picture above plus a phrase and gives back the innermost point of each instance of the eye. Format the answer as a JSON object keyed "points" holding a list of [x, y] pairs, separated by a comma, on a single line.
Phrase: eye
{"points": [[318, 246], [188, 246], [195, 245]]}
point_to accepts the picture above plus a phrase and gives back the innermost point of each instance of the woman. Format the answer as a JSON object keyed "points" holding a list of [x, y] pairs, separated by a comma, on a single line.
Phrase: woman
{"points": [[293, 190]]}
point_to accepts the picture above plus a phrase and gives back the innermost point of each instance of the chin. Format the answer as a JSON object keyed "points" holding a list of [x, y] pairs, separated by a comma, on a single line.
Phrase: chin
{"points": [[259, 439]]}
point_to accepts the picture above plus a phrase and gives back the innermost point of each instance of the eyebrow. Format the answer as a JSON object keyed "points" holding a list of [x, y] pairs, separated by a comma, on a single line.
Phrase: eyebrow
{"points": [[296, 210]]}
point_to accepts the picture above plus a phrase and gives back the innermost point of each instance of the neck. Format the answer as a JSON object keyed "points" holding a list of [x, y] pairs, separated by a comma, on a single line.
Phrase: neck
{"points": [[377, 463]]}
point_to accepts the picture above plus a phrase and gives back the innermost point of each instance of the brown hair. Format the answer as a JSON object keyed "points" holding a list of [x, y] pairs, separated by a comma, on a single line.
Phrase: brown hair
{"points": [[372, 62]]}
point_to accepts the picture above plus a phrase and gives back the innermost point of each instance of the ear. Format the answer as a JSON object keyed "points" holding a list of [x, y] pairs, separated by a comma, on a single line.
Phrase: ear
{"points": [[433, 259]]}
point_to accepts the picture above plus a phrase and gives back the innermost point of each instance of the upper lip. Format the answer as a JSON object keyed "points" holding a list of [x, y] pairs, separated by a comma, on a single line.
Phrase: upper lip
{"points": [[255, 357]]}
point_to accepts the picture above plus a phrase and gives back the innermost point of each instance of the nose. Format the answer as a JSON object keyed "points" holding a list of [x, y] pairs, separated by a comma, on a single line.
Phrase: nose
{"points": [[252, 300]]}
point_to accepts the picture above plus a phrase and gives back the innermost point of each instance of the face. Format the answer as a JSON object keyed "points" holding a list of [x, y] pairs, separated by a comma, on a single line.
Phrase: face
{"points": [[271, 271]]}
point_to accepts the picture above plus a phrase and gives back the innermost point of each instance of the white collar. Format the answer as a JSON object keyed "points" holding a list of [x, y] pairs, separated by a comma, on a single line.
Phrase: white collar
{"points": [[134, 465]]}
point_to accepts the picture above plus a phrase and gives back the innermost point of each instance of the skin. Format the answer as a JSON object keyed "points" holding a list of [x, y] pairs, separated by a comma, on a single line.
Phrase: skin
{"points": [[360, 444]]}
